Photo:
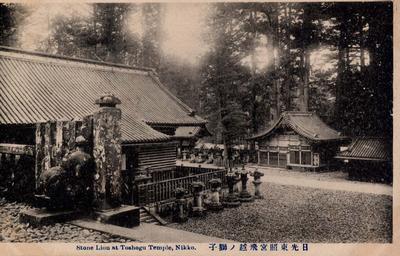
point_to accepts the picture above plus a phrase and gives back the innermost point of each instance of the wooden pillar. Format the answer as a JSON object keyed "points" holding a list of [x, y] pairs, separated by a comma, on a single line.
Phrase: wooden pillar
{"points": [[107, 153]]}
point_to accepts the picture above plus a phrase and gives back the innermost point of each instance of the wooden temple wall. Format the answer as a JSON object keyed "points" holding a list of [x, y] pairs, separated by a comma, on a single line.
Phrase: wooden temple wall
{"points": [[157, 157]]}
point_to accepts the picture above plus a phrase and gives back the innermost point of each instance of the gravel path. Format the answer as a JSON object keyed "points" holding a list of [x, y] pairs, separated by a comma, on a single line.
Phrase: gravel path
{"points": [[300, 214], [11, 230]]}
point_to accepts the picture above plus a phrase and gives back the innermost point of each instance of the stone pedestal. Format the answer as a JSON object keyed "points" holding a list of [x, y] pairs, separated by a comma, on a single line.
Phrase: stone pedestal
{"points": [[197, 191], [124, 216], [215, 204], [107, 153], [180, 212], [231, 200], [244, 195], [41, 217], [257, 182]]}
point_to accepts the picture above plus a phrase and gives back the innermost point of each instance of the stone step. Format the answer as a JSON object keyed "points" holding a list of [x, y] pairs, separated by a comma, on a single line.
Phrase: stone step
{"points": [[151, 222], [146, 217]]}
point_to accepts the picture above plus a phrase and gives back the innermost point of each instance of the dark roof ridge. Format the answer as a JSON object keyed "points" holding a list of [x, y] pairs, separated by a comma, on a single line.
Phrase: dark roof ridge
{"points": [[82, 60]]}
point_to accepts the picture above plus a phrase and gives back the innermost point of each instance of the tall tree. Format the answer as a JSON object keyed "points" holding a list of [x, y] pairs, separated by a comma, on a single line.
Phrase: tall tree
{"points": [[152, 20], [223, 74], [11, 15]]}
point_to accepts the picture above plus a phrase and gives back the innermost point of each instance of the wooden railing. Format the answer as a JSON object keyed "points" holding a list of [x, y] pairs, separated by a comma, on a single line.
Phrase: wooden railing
{"points": [[183, 171], [156, 192], [163, 175], [179, 172]]}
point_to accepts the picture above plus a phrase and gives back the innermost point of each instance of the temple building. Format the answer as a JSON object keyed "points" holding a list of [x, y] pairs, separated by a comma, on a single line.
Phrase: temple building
{"points": [[368, 159], [298, 140], [36, 87]]}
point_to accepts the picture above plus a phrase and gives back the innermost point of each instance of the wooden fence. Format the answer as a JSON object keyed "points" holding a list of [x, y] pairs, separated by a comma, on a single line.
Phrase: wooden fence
{"points": [[180, 171], [17, 170], [157, 192], [157, 176]]}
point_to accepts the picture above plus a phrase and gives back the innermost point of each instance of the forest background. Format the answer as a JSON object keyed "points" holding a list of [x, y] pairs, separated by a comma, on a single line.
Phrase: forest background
{"points": [[239, 65]]}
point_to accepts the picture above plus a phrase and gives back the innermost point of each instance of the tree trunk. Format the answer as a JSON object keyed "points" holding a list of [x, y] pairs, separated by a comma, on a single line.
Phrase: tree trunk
{"points": [[342, 66], [307, 31]]}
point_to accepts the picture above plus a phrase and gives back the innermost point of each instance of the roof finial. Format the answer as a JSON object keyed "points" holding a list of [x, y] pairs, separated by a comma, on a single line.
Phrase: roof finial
{"points": [[108, 100]]}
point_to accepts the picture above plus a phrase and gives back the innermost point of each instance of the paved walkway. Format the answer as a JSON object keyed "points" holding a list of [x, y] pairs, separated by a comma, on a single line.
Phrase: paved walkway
{"points": [[321, 180], [149, 233]]}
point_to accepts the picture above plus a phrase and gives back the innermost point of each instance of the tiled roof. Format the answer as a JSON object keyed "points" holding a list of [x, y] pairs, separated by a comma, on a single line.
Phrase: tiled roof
{"points": [[306, 124], [36, 87], [367, 149], [187, 131]]}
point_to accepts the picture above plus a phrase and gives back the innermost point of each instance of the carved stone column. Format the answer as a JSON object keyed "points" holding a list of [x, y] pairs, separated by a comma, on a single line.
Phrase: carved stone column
{"points": [[107, 152]]}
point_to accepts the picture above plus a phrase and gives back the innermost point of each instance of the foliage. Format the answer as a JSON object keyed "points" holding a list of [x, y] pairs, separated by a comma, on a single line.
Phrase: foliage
{"points": [[11, 15]]}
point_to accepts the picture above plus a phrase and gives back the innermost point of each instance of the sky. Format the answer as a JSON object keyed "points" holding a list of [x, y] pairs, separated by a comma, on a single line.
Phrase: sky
{"points": [[183, 26]]}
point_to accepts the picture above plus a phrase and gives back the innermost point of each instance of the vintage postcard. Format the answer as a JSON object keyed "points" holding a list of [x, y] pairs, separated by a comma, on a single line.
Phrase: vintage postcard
{"points": [[199, 128]]}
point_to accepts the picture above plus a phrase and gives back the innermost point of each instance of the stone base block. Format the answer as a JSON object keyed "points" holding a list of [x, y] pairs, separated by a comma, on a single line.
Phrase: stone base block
{"points": [[231, 201], [245, 197], [198, 212], [215, 207], [41, 217], [124, 216]]}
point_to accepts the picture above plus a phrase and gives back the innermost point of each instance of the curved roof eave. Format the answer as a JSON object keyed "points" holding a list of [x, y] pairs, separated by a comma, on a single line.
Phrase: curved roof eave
{"points": [[285, 118]]}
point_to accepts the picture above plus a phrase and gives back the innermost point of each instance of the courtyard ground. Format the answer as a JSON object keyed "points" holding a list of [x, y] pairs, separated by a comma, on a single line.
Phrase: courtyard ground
{"points": [[297, 207], [301, 214]]}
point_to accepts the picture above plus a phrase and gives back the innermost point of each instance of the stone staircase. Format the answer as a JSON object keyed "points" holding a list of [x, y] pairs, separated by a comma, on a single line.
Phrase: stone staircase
{"points": [[146, 216]]}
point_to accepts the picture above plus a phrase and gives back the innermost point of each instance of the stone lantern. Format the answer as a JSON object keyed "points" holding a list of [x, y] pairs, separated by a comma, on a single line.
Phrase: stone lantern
{"points": [[237, 180], [185, 153], [231, 200], [197, 190], [215, 204], [244, 195], [257, 182], [180, 212]]}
